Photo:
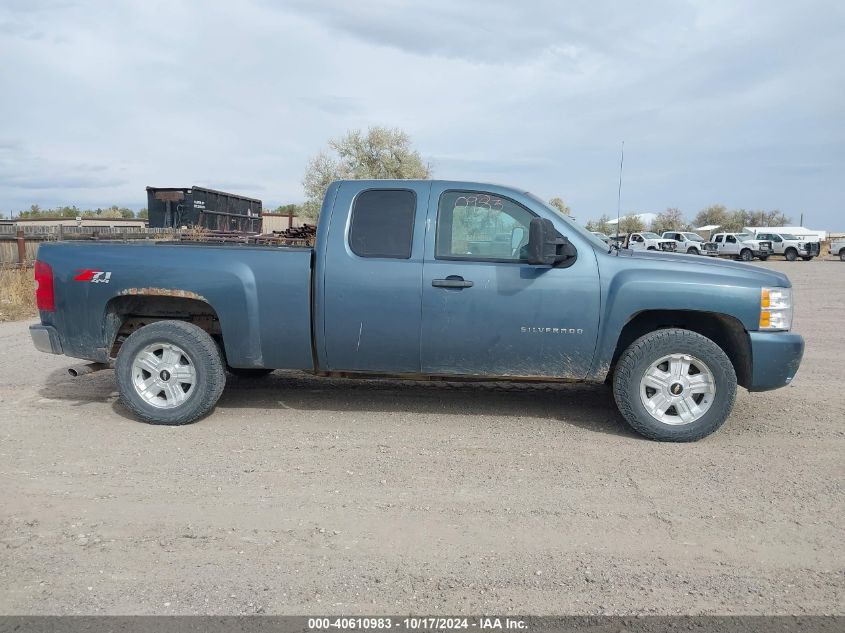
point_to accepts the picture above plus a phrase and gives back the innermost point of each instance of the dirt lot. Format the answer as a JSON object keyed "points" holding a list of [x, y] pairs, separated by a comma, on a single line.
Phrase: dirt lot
{"points": [[300, 495]]}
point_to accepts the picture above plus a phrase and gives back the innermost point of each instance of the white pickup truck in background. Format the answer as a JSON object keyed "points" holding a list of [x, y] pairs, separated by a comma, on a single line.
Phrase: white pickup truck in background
{"points": [[742, 246], [790, 246], [837, 247], [688, 242], [648, 241]]}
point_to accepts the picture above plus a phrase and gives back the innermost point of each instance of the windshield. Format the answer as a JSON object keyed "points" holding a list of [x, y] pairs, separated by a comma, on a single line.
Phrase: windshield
{"points": [[788, 236], [650, 236], [743, 237], [693, 237]]}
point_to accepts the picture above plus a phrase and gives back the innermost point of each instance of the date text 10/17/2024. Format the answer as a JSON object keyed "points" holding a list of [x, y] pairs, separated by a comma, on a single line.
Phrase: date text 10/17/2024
{"points": [[417, 623]]}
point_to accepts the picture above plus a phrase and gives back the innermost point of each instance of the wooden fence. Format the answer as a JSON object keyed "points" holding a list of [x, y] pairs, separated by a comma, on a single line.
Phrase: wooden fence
{"points": [[19, 244]]}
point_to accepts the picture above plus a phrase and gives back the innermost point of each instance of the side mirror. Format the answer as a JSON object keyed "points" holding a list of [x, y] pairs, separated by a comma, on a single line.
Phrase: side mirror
{"points": [[547, 247]]}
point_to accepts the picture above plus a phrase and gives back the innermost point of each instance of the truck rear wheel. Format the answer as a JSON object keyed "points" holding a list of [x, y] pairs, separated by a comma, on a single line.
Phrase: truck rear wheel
{"points": [[674, 385], [169, 372]]}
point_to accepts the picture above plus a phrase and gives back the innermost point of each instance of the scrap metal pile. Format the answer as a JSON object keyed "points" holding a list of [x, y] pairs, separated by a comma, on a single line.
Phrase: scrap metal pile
{"points": [[295, 236]]}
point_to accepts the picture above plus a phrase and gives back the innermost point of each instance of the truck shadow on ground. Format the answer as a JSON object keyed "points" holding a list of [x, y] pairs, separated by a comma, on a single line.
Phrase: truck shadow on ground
{"points": [[587, 406]]}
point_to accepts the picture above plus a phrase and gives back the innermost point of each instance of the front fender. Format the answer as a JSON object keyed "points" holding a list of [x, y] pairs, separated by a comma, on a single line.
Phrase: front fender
{"points": [[627, 293]]}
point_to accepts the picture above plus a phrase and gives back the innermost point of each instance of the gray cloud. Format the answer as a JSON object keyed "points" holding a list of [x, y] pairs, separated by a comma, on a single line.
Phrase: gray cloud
{"points": [[717, 101]]}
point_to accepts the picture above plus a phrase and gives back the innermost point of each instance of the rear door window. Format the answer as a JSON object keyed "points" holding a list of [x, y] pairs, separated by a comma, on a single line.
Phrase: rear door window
{"points": [[383, 223]]}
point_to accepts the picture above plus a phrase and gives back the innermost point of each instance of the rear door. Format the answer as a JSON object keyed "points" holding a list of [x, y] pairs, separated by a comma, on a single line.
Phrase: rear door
{"points": [[486, 311], [373, 276]]}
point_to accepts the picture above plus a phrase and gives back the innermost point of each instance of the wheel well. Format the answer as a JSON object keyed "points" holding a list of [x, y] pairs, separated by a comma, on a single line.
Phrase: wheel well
{"points": [[727, 332], [126, 314], [791, 248]]}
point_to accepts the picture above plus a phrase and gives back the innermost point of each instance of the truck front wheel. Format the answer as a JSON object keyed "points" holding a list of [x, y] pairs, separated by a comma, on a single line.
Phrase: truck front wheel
{"points": [[169, 372], [674, 385], [791, 254], [746, 255]]}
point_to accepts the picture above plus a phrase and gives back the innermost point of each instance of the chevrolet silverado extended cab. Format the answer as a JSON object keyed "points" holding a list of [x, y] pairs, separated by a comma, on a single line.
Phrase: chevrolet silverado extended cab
{"points": [[424, 280]]}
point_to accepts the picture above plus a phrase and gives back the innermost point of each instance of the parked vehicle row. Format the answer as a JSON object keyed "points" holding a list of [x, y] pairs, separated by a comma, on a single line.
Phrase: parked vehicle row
{"points": [[742, 246]]}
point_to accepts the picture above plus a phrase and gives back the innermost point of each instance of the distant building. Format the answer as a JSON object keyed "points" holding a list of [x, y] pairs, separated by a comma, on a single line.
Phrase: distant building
{"points": [[280, 222], [645, 218], [797, 231]]}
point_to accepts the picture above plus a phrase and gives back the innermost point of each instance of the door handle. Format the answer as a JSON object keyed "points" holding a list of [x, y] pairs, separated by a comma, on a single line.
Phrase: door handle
{"points": [[452, 281]]}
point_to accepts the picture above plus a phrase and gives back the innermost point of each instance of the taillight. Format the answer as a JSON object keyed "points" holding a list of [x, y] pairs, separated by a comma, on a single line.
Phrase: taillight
{"points": [[44, 297]]}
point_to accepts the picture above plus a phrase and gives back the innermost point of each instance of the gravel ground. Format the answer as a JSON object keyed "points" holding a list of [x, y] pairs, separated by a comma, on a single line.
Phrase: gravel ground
{"points": [[301, 495]]}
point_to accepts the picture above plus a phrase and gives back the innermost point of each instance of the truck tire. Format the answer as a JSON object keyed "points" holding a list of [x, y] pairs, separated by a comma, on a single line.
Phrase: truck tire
{"points": [[652, 248], [842, 255], [790, 254], [763, 258], [692, 251], [674, 385], [249, 372], [169, 372], [746, 255], [806, 258]]}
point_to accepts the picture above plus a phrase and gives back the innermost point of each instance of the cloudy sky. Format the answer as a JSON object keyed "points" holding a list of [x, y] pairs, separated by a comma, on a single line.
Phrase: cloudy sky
{"points": [[735, 102]]}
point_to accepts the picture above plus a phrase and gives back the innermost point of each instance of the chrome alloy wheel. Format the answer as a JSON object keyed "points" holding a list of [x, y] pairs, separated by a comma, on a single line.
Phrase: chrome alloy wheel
{"points": [[677, 389], [163, 375]]}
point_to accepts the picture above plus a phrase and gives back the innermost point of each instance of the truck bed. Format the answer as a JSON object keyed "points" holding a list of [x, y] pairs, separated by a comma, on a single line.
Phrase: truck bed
{"points": [[261, 295]]}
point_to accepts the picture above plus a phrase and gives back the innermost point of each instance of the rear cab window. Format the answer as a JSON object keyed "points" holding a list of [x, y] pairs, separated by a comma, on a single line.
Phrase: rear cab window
{"points": [[382, 223]]}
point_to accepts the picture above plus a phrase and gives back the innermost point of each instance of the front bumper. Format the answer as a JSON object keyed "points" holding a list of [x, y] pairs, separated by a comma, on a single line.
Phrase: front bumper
{"points": [[775, 357], [46, 339], [763, 252]]}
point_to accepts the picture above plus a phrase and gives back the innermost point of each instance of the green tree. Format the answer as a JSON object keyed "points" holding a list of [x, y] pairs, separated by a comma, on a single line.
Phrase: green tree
{"points": [[143, 214], [631, 224], [380, 153], [600, 226], [284, 209], [714, 214], [560, 205], [672, 219], [34, 211]]}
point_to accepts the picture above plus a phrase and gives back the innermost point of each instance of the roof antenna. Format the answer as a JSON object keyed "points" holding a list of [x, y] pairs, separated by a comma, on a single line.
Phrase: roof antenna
{"points": [[619, 197]]}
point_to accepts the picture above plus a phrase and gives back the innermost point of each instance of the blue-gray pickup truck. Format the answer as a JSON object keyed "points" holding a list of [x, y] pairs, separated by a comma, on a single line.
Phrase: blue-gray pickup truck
{"points": [[426, 280]]}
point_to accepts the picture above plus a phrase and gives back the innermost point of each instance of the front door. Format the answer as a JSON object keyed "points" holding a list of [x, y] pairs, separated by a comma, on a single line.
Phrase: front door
{"points": [[486, 311]]}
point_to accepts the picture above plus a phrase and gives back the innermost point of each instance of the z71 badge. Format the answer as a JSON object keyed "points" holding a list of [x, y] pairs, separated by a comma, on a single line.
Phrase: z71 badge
{"points": [[94, 276]]}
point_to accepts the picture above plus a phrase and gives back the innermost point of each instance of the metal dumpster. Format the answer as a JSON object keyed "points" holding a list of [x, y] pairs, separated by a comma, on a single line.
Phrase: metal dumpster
{"points": [[198, 206]]}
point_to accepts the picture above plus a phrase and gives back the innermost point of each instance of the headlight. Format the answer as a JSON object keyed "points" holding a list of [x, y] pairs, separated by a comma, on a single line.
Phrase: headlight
{"points": [[775, 308]]}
